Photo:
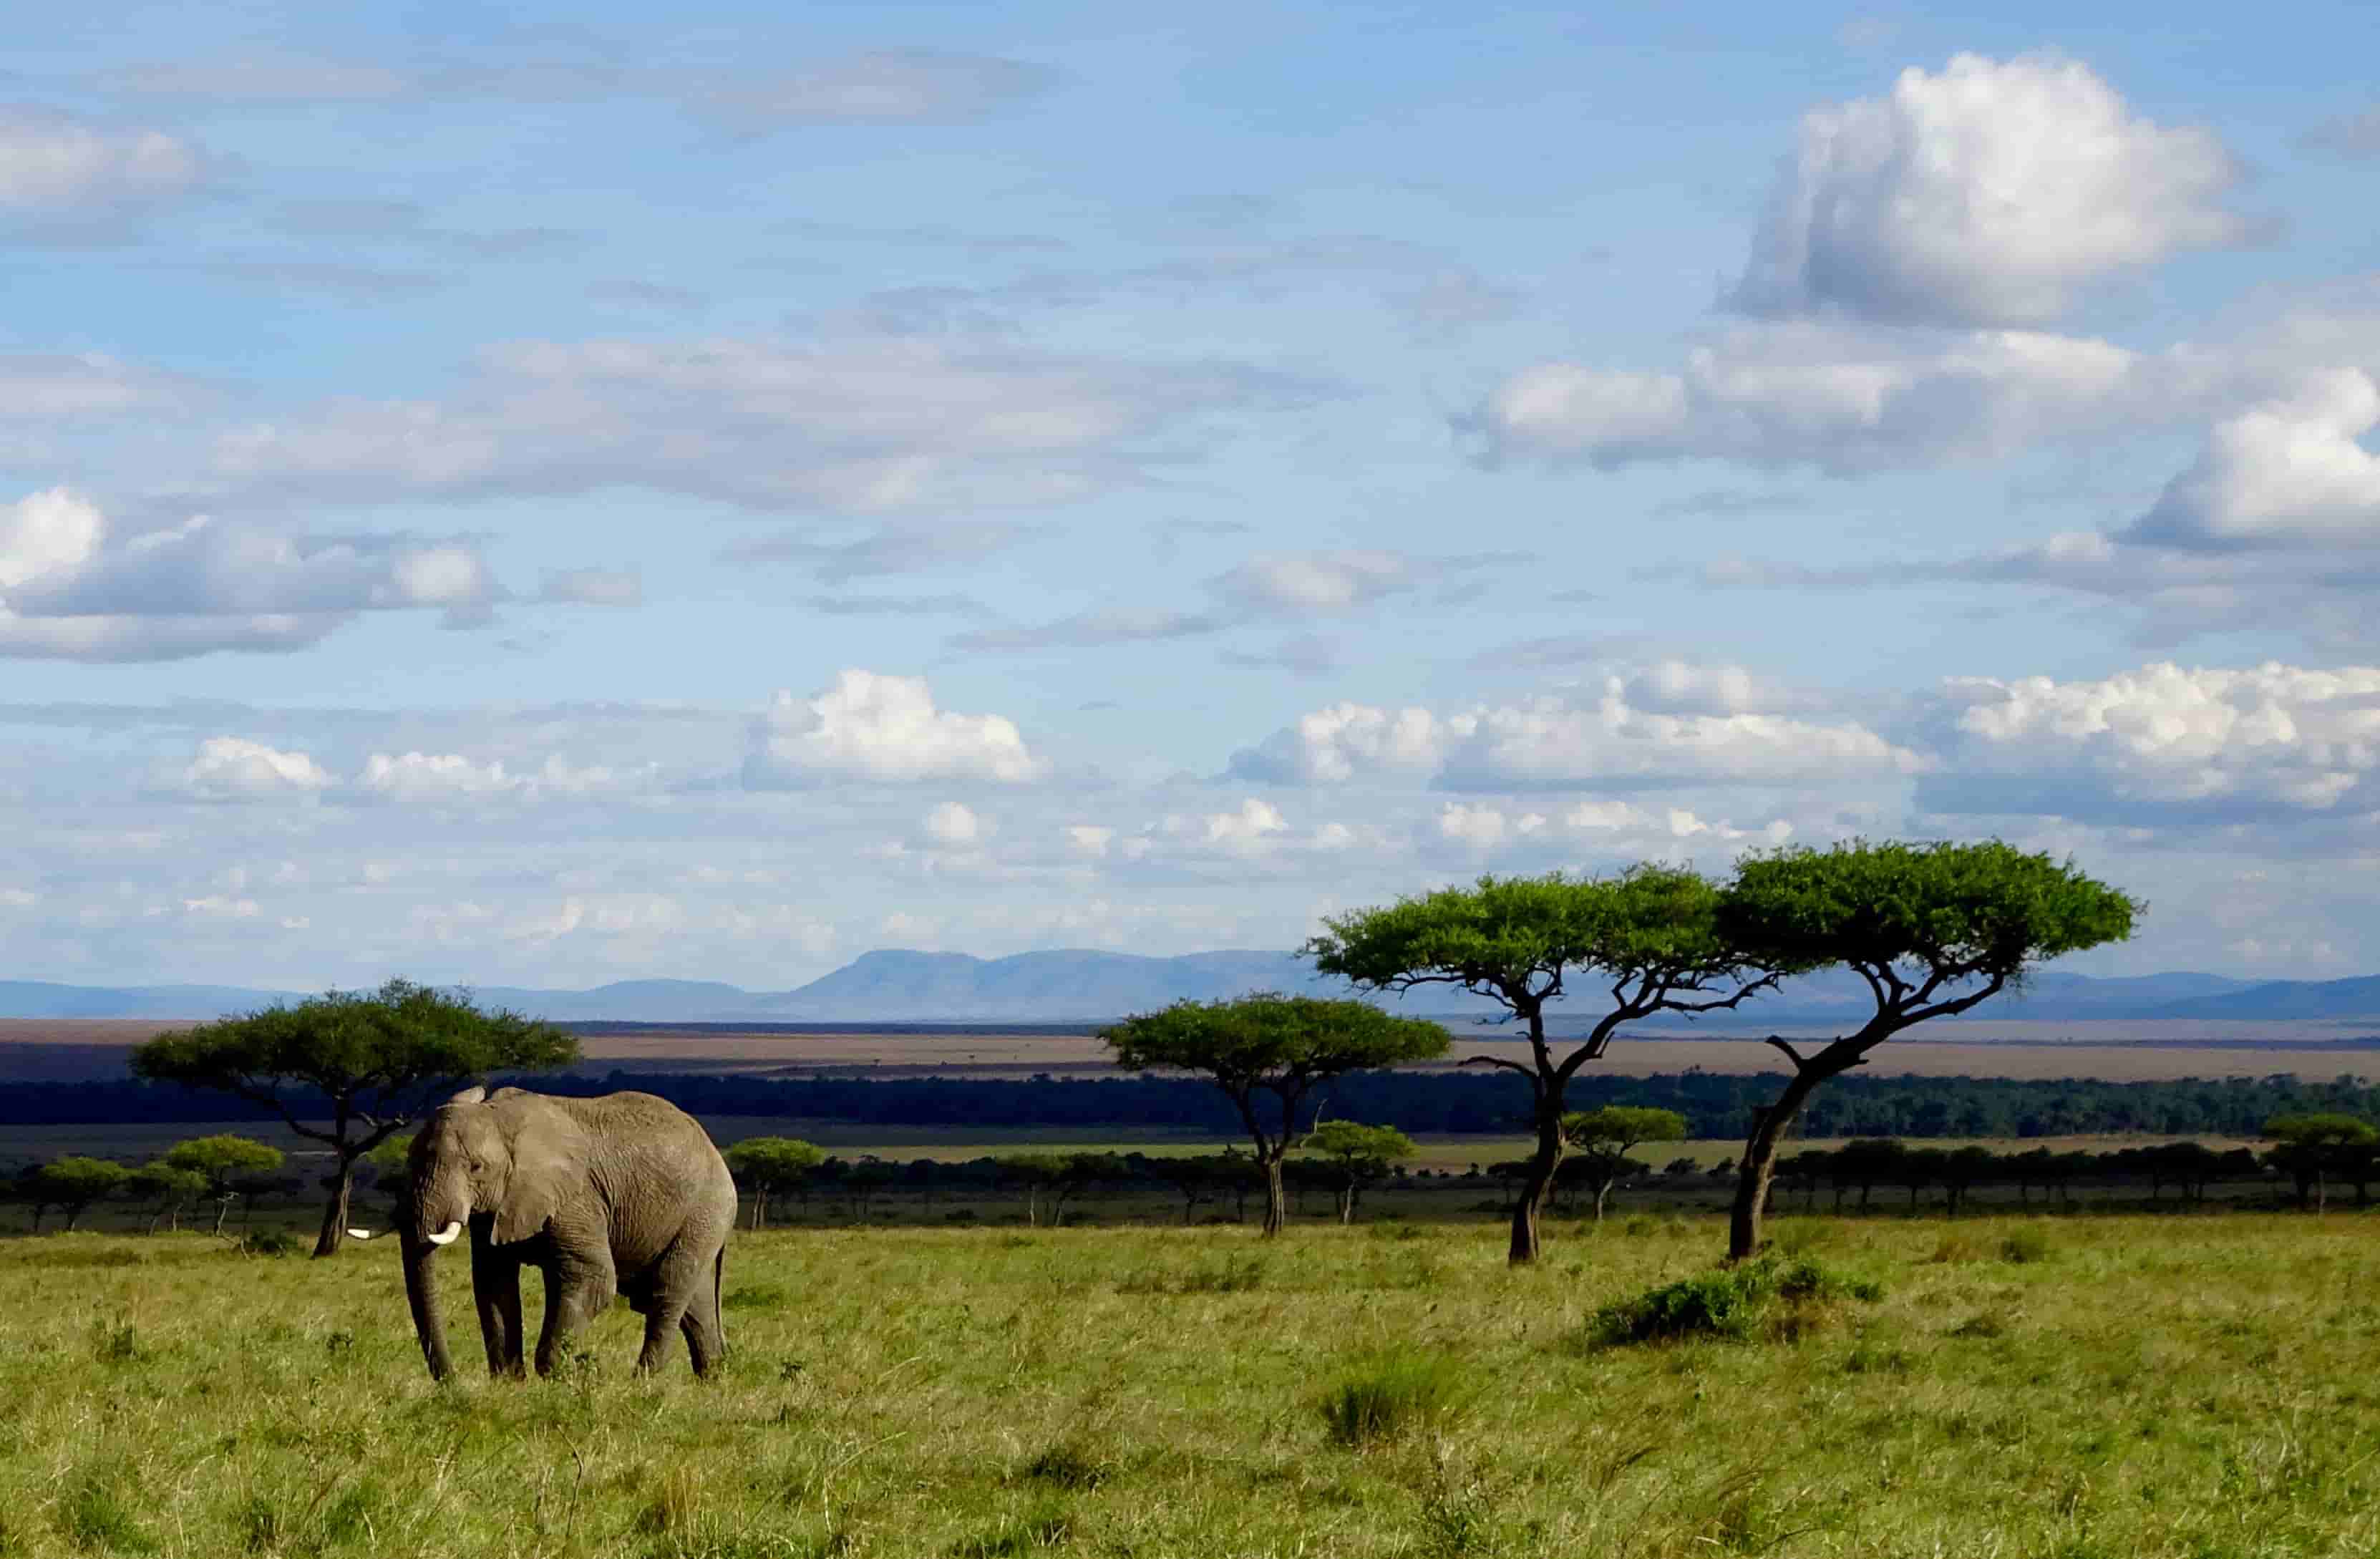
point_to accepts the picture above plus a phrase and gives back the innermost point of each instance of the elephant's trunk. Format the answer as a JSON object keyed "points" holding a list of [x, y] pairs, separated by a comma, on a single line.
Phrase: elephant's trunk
{"points": [[422, 1296]]}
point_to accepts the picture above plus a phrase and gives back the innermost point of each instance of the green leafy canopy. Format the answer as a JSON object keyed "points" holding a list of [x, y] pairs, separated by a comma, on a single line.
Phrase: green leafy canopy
{"points": [[1272, 1041]]}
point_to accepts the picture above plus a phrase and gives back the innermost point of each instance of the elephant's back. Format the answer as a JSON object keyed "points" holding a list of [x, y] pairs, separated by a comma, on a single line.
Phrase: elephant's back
{"points": [[663, 1162]]}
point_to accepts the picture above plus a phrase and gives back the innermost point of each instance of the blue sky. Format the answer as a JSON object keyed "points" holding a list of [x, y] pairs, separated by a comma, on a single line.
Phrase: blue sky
{"points": [[586, 495]]}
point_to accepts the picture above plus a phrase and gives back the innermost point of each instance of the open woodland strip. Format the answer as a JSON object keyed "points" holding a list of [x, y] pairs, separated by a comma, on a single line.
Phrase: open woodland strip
{"points": [[2126, 1386]]}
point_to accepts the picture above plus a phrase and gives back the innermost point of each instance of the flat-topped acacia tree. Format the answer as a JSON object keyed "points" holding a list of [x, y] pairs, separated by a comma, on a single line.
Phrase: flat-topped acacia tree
{"points": [[1276, 1045], [1650, 933], [350, 1069], [1934, 929]]}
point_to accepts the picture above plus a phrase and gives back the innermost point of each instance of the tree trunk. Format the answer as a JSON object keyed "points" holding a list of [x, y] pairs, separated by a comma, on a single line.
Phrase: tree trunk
{"points": [[74, 1216], [1602, 1189], [342, 1181], [1276, 1212], [223, 1211], [1760, 1165], [1526, 1245]]}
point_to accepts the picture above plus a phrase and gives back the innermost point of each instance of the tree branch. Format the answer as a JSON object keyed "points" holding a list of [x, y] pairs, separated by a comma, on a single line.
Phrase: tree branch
{"points": [[1528, 1072]]}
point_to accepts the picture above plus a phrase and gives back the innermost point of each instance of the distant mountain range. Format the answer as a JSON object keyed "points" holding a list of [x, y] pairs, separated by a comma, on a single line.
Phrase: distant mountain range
{"points": [[1058, 987]]}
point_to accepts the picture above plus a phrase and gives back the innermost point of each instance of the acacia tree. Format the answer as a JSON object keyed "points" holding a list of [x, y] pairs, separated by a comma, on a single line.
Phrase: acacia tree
{"points": [[2314, 1147], [1933, 930], [770, 1165], [173, 1188], [223, 1161], [1650, 935], [1358, 1155], [1604, 1137], [370, 1062], [1276, 1045], [75, 1182]]}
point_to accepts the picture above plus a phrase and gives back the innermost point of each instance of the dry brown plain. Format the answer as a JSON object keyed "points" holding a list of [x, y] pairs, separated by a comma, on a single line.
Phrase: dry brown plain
{"points": [[47, 1049]]}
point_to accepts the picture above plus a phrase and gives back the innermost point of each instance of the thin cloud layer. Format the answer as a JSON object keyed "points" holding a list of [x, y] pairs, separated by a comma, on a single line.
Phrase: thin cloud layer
{"points": [[69, 180]]}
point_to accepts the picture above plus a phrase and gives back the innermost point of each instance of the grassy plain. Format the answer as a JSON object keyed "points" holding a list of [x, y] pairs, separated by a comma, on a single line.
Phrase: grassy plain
{"points": [[2191, 1386]]}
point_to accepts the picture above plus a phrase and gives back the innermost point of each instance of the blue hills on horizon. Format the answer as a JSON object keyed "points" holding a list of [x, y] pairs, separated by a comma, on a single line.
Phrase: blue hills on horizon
{"points": [[1081, 986]]}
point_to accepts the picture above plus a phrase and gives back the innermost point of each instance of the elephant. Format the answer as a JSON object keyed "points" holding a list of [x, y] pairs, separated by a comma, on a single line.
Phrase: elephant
{"points": [[622, 1193]]}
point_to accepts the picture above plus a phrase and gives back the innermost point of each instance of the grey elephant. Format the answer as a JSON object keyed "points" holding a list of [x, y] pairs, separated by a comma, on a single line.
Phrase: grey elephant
{"points": [[622, 1194]]}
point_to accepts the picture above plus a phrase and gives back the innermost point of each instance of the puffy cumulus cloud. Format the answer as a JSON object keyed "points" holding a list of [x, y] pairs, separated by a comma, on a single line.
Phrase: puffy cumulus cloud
{"points": [[871, 727], [2161, 744], [64, 179], [2286, 473], [851, 424], [1988, 193], [70, 588], [234, 769], [1845, 399], [1604, 739]]}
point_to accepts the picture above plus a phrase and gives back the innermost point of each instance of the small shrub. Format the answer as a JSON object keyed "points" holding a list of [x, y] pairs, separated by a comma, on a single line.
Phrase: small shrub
{"points": [[2025, 1245], [1639, 1227], [266, 1242], [1731, 1303], [1391, 1395]]}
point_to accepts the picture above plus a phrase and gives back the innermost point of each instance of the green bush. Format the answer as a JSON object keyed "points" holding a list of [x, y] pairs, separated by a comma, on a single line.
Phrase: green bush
{"points": [[266, 1242], [1730, 1303], [1392, 1394]]}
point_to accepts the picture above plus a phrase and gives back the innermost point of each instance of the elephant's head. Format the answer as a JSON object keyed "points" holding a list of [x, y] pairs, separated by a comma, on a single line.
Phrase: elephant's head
{"points": [[506, 1158]]}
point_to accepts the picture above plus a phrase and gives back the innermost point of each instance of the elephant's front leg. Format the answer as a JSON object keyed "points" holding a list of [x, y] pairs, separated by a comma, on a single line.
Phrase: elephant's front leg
{"points": [[576, 1289], [495, 1289]]}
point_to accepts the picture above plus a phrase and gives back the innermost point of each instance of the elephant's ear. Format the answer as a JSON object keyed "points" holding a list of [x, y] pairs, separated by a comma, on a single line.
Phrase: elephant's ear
{"points": [[549, 1163]]}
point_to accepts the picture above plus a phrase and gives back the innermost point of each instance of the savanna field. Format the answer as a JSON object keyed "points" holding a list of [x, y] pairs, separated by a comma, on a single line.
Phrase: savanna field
{"points": [[2191, 1385]]}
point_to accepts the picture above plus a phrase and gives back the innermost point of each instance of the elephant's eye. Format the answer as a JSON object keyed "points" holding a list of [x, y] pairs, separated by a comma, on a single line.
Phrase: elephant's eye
{"points": [[477, 1167]]}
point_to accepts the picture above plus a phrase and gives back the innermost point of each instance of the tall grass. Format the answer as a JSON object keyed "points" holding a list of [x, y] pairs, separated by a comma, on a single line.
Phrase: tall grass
{"points": [[2157, 1387]]}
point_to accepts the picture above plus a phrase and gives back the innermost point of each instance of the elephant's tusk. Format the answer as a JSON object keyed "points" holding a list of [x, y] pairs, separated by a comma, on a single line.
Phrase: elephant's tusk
{"points": [[446, 1235], [360, 1233]]}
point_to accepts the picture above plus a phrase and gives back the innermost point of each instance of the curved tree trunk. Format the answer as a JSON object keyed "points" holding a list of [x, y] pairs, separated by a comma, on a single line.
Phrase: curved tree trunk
{"points": [[1760, 1165], [1276, 1212], [342, 1184], [1526, 1245]]}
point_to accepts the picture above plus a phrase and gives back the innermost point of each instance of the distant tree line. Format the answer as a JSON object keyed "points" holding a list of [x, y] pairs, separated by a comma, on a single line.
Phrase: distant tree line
{"points": [[1714, 1104]]}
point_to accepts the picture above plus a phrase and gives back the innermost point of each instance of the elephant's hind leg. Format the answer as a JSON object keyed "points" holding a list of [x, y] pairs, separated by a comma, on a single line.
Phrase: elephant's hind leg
{"points": [[706, 1337], [683, 1288]]}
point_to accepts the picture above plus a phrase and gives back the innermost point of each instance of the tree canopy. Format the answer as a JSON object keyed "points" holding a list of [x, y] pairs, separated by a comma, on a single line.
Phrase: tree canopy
{"points": [[75, 1182], [372, 1061], [1604, 1137], [772, 1164], [1269, 1042], [1649, 937], [1933, 928]]}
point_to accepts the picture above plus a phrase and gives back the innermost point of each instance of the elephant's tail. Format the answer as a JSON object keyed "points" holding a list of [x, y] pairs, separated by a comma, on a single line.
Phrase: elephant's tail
{"points": [[719, 1286]]}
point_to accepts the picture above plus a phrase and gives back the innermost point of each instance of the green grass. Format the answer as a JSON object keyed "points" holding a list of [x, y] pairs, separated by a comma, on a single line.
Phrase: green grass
{"points": [[2199, 1387]]}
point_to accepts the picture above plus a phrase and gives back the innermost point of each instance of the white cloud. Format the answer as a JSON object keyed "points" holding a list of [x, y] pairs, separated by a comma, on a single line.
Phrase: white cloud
{"points": [[50, 387], [442, 779], [1599, 827], [62, 177], [1607, 739], [70, 588], [868, 726], [1988, 193], [1304, 584], [234, 769], [2285, 472], [2163, 743], [1844, 398], [954, 825]]}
